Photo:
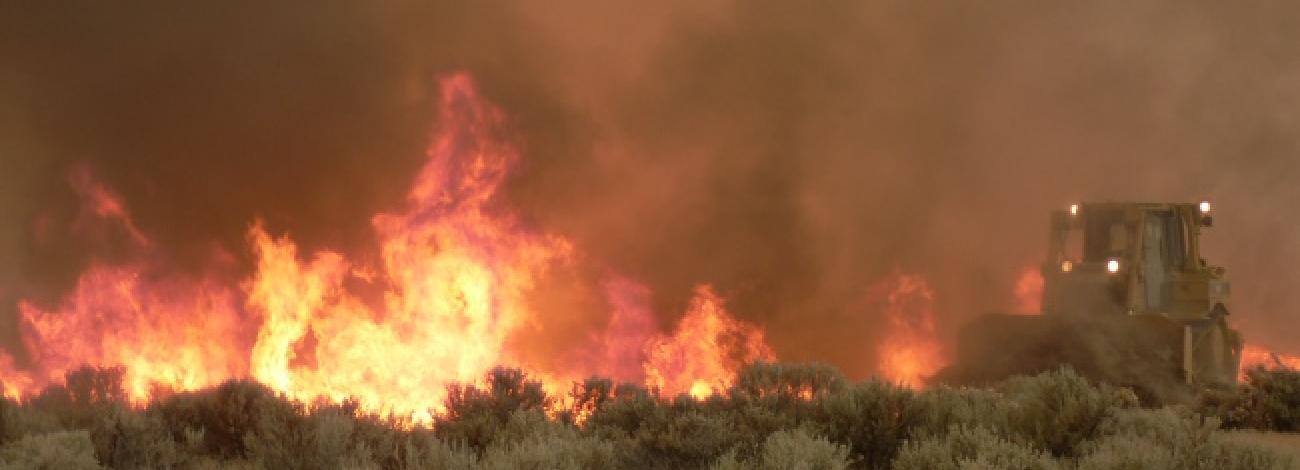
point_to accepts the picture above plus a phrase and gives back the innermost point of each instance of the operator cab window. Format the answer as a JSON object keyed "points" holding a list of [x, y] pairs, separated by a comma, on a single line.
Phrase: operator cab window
{"points": [[1106, 235]]}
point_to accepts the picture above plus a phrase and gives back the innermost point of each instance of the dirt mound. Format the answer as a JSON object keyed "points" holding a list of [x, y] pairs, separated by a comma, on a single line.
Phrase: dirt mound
{"points": [[1137, 352]]}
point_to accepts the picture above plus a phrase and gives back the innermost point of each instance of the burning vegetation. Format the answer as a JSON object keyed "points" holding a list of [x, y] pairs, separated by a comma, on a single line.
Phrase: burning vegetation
{"points": [[410, 358], [260, 235], [438, 306]]}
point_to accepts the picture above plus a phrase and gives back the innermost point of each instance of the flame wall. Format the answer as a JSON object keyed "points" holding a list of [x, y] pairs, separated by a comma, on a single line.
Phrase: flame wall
{"points": [[789, 157], [453, 277]]}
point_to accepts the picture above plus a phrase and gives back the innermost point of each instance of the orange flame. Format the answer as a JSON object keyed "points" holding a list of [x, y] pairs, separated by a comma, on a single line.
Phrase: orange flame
{"points": [[701, 358], [438, 307], [454, 276], [1029, 291], [173, 332], [911, 352], [1254, 355]]}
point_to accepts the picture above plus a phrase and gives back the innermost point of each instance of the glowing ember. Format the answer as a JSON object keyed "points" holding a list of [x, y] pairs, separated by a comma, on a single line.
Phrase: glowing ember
{"points": [[910, 352], [701, 358], [1029, 291]]}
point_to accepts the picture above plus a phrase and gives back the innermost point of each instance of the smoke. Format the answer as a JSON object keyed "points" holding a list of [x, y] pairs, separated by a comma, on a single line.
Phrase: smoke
{"points": [[789, 155]]}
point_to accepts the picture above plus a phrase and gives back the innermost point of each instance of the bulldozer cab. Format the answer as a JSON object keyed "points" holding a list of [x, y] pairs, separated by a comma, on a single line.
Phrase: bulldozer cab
{"points": [[1143, 259], [1127, 299], [1131, 258]]}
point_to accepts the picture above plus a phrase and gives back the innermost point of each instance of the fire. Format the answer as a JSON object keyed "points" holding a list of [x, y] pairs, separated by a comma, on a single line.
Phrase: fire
{"points": [[176, 333], [911, 352], [1029, 291], [620, 351], [169, 331], [454, 277], [702, 356], [448, 288], [1255, 355]]}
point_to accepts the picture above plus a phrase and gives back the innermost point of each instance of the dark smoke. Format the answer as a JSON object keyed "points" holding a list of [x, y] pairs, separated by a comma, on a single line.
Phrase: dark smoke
{"points": [[790, 154]]}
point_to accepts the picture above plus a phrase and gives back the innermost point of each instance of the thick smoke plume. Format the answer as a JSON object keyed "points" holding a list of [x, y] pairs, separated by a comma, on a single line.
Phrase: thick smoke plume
{"points": [[790, 155]]}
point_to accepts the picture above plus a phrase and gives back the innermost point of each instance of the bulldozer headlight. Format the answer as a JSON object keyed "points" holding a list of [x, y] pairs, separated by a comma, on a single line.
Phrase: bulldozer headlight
{"points": [[1074, 209], [1067, 266], [1112, 265], [1204, 206]]}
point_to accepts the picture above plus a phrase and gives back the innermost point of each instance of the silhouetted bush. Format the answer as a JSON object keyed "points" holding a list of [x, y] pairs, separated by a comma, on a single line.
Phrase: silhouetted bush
{"points": [[241, 419], [786, 382], [125, 438], [475, 415], [873, 418], [630, 411], [1269, 399], [87, 393], [774, 416], [587, 396]]}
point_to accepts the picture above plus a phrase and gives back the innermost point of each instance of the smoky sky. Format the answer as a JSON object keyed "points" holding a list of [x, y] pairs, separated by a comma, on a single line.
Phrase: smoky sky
{"points": [[791, 154]]}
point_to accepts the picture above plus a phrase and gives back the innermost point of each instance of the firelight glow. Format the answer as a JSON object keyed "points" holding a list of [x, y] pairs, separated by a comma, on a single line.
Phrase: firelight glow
{"points": [[453, 280]]}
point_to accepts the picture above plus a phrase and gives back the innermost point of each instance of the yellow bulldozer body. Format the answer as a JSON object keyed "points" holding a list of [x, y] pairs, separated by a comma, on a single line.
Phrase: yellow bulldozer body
{"points": [[1143, 259]]}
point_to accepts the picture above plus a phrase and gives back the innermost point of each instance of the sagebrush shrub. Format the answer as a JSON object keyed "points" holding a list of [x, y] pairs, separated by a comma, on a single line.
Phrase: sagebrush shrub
{"points": [[873, 418], [424, 451], [474, 415], [941, 408], [963, 448], [1269, 399], [776, 416], [1170, 439], [798, 450], [689, 440], [126, 438], [786, 381], [629, 412], [795, 449], [27, 420], [1058, 410], [562, 450], [63, 450]]}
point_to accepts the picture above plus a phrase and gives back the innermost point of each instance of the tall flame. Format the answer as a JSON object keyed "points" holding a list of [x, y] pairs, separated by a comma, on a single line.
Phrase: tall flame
{"points": [[911, 351], [438, 306], [702, 356], [454, 275]]}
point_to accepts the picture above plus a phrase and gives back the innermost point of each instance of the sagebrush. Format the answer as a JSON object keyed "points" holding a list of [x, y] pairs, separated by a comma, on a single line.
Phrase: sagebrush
{"points": [[774, 416]]}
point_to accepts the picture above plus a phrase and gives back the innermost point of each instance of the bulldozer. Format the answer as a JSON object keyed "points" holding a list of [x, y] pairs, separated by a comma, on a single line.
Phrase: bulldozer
{"points": [[1126, 299]]}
